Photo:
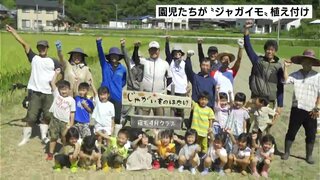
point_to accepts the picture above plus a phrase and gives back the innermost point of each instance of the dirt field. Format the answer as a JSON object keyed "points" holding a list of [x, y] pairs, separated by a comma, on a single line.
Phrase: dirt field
{"points": [[28, 162]]}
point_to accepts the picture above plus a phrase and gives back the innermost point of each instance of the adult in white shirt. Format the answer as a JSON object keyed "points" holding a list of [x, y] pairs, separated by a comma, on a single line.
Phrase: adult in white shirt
{"points": [[156, 75], [305, 103], [42, 72]]}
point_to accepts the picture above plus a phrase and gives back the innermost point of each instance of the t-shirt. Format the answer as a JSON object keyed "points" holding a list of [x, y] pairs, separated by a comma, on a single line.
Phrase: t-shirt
{"points": [[103, 113], [221, 114], [187, 150], [82, 115], [259, 156], [162, 150], [262, 117], [240, 154], [236, 120], [200, 119], [213, 155], [179, 77], [42, 71], [224, 80], [62, 106], [114, 147]]}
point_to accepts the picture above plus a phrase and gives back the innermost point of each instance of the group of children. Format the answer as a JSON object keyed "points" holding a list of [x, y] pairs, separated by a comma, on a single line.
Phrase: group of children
{"points": [[217, 139]]}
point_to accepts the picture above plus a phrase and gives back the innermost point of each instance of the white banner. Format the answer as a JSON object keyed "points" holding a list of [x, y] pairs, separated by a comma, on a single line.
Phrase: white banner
{"points": [[233, 11]]}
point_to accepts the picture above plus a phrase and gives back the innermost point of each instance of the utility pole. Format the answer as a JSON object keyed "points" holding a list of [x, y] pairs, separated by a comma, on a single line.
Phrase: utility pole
{"points": [[116, 16], [37, 11], [278, 38], [63, 12]]}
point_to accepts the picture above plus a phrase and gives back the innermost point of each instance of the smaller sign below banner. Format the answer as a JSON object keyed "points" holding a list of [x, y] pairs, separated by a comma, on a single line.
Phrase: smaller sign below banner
{"points": [[155, 122]]}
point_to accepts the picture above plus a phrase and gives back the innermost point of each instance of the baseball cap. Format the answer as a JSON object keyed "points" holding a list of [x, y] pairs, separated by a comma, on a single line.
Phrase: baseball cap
{"points": [[43, 43], [154, 44], [212, 49]]}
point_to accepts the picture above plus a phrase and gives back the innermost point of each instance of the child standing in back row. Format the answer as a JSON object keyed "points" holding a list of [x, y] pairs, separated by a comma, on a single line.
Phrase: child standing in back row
{"points": [[84, 107], [63, 108], [237, 120]]}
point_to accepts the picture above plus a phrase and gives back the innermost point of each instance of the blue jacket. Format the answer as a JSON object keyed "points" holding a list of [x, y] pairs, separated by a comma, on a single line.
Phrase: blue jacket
{"points": [[200, 83], [115, 79]]}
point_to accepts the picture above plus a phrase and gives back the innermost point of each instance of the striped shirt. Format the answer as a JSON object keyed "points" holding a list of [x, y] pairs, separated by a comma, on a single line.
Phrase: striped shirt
{"points": [[306, 89], [201, 118]]}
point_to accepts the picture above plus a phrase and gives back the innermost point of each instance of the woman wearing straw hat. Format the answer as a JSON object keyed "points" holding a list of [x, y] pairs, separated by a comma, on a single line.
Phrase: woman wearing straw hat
{"points": [[224, 76], [306, 101], [75, 69]]}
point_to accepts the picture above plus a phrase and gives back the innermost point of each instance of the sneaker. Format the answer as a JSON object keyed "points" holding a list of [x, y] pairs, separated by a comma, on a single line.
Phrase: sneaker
{"points": [[156, 164], [227, 171], [57, 168], [105, 167], [256, 174], [264, 174], [45, 141], [170, 166], [220, 172], [244, 173], [205, 171], [180, 169], [118, 169], [49, 157], [73, 169], [193, 171]]}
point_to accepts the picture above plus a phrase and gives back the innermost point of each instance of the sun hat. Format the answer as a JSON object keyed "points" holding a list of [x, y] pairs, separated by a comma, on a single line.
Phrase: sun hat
{"points": [[115, 51], [177, 48], [308, 55], [231, 56]]}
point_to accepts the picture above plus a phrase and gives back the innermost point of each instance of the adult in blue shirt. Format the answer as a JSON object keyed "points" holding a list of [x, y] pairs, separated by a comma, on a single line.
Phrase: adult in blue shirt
{"points": [[200, 82], [113, 76]]}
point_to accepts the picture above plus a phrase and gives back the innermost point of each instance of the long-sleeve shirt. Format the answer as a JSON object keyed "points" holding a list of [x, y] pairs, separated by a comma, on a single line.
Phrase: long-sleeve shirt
{"points": [[135, 71], [177, 68], [112, 78], [200, 83], [266, 77]]}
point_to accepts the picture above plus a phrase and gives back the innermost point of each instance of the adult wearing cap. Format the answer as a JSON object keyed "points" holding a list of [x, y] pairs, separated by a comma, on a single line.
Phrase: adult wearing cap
{"points": [[156, 75], [266, 73], [113, 76], [42, 72], [177, 67], [75, 69], [305, 103], [224, 76], [212, 55]]}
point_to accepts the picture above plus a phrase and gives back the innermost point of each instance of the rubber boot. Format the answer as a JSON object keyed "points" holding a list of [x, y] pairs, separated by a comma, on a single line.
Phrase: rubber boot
{"points": [[309, 149], [43, 131], [287, 146], [26, 135]]}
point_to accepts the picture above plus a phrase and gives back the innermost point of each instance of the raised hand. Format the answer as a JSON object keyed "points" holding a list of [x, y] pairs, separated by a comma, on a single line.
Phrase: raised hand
{"points": [[10, 29], [190, 53], [200, 40], [122, 42], [240, 43], [248, 24], [99, 38], [287, 63], [167, 38], [58, 45], [137, 44]]}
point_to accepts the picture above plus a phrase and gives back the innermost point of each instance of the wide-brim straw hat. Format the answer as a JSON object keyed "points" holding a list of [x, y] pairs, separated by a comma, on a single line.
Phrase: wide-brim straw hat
{"points": [[308, 55], [230, 55]]}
